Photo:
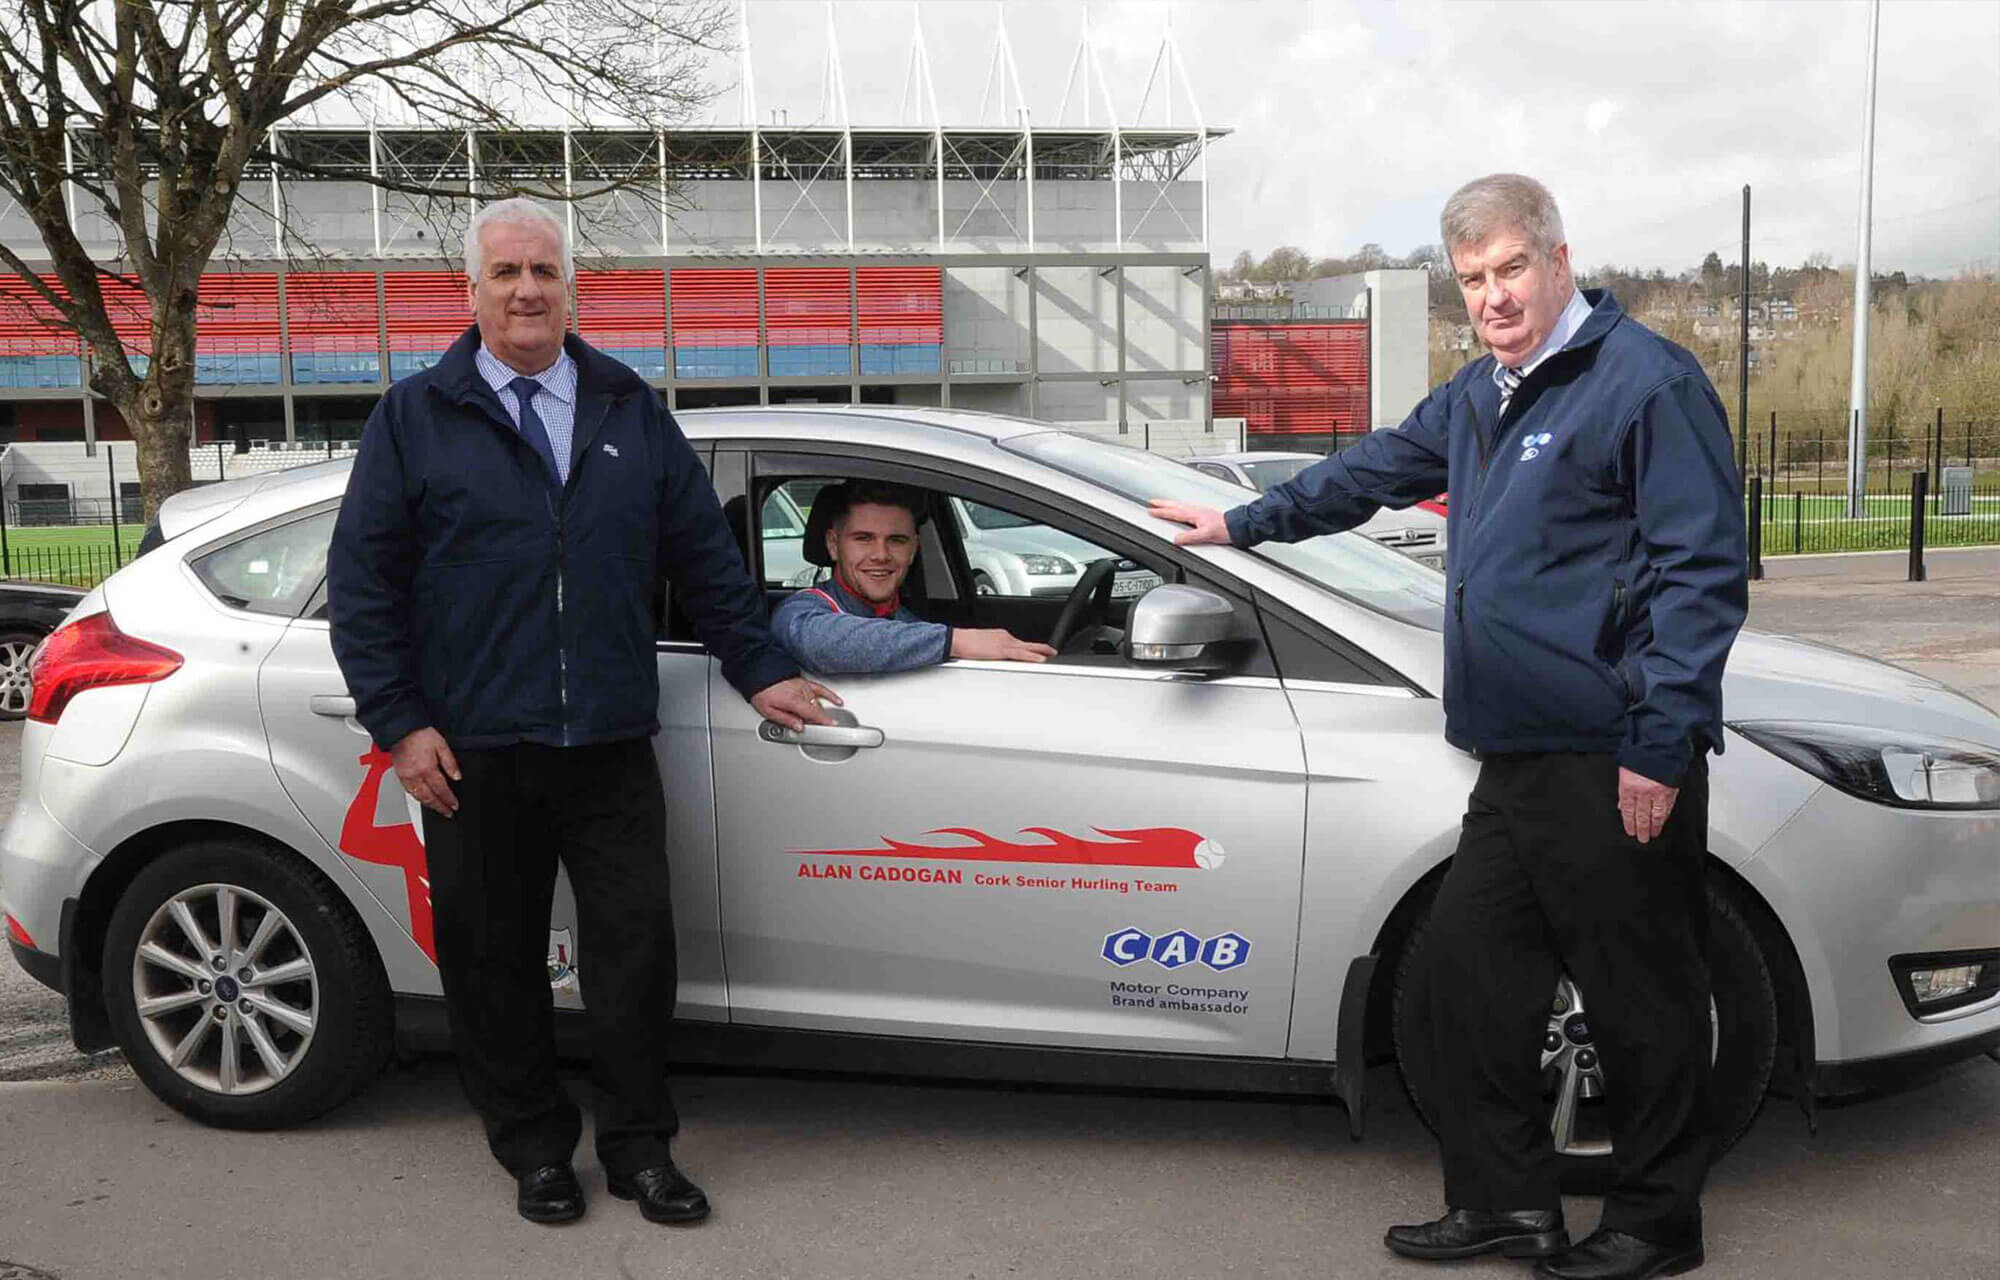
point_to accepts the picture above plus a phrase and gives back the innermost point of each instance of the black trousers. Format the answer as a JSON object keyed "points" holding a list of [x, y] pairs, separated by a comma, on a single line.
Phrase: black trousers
{"points": [[600, 810], [1545, 879]]}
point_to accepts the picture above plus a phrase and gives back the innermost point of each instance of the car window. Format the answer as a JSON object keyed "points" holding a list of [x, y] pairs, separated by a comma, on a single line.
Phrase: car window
{"points": [[1349, 564], [273, 570], [1017, 556], [1275, 471], [781, 528]]}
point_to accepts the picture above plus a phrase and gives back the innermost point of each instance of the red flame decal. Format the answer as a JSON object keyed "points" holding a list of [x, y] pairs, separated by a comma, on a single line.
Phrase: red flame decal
{"points": [[1165, 847], [391, 846]]}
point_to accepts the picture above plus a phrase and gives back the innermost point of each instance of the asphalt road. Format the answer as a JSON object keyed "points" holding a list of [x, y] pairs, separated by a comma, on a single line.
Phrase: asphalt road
{"points": [[835, 1178]]}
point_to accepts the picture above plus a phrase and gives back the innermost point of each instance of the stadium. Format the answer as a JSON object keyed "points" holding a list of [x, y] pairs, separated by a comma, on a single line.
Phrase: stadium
{"points": [[1056, 272]]}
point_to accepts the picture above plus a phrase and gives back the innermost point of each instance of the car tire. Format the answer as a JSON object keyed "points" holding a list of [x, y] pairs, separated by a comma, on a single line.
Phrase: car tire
{"points": [[981, 584], [17, 646], [302, 1000], [1745, 1046]]}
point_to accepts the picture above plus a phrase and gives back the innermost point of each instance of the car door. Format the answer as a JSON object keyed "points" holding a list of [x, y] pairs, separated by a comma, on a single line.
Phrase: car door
{"points": [[1080, 853], [346, 787]]}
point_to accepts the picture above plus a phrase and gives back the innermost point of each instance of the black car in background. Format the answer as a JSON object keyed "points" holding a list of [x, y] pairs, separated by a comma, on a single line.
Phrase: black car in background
{"points": [[28, 611]]}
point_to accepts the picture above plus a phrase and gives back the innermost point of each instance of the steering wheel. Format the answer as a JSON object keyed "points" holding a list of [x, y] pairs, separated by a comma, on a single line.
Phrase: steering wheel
{"points": [[1089, 602]]}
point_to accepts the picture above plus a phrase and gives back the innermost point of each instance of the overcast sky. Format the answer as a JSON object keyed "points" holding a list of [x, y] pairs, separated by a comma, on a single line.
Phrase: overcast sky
{"points": [[1353, 120]]}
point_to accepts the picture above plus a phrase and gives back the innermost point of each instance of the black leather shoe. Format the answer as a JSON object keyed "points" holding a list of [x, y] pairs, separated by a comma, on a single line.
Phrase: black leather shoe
{"points": [[1612, 1255], [550, 1195], [664, 1194], [1466, 1233]]}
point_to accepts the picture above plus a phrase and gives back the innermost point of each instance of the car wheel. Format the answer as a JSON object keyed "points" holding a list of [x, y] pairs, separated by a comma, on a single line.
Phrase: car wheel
{"points": [[982, 585], [243, 988], [16, 690], [1743, 1017]]}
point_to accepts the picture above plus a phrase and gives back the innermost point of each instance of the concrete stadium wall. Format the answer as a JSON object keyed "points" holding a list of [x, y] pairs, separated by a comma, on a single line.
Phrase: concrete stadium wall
{"points": [[1166, 318], [1157, 218], [985, 320], [989, 397], [1076, 320]]}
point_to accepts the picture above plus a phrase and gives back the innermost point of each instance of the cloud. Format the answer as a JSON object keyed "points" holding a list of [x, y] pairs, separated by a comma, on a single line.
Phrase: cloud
{"points": [[1355, 118]]}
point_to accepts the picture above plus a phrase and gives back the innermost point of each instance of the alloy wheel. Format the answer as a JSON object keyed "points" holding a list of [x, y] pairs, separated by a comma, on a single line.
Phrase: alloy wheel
{"points": [[225, 989], [1573, 1073], [16, 689]]}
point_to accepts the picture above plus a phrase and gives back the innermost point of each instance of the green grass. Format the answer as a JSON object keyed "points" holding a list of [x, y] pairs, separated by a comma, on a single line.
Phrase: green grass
{"points": [[59, 538], [78, 555], [1821, 524]]}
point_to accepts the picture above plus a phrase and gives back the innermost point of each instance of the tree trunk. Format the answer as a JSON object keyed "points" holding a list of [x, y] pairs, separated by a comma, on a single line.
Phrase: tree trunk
{"points": [[162, 417], [161, 442]]}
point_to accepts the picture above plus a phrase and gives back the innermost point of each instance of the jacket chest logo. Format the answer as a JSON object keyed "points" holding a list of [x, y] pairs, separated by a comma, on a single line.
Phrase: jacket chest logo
{"points": [[1531, 445], [610, 449]]}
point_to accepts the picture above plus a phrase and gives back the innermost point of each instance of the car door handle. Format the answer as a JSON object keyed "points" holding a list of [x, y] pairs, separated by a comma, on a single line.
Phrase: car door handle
{"points": [[821, 735], [328, 704]]}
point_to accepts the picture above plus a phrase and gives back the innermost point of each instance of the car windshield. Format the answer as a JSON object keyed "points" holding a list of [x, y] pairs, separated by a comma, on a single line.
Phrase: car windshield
{"points": [[1348, 564], [1275, 470], [986, 517]]}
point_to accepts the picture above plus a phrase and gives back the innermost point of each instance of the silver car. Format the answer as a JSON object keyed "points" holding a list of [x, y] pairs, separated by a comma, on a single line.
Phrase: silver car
{"points": [[1418, 532], [1197, 849]]}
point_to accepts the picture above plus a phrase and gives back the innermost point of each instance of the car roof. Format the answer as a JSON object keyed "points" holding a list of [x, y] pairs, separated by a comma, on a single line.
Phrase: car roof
{"points": [[916, 423], [1257, 455], [967, 434]]}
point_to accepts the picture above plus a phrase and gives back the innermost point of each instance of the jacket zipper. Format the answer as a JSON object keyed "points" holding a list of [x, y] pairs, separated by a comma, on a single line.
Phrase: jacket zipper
{"points": [[562, 651]]}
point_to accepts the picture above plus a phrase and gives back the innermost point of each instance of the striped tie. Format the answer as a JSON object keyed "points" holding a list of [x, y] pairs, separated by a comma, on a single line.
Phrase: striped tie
{"points": [[1510, 381]]}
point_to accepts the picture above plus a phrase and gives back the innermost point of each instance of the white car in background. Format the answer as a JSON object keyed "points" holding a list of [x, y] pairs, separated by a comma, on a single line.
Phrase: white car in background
{"points": [[1418, 532]]}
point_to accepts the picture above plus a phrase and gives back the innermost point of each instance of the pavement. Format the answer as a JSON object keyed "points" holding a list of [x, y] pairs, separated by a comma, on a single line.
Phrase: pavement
{"points": [[817, 1176], [1947, 627], [836, 1178]]}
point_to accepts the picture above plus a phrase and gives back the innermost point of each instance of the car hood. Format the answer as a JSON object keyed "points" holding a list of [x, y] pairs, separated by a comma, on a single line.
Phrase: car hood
{"points": [[1772, 677]]}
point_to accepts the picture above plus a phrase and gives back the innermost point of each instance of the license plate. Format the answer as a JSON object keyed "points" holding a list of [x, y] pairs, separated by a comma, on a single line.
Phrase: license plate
{"points": [[1136, 585]]}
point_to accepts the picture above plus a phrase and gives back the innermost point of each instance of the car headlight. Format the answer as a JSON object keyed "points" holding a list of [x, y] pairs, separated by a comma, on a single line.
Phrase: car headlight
{"points": [[1045, 566], [1907, 771]]}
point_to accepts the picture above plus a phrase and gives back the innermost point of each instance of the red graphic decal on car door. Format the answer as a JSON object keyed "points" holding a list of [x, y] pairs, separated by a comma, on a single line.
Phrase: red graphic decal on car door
{"points": [[397, 845], [1163, 847]]}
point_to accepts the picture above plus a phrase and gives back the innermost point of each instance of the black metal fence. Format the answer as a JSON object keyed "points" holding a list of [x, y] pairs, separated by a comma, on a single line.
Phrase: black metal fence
{"points": [[75, 566], [1807, 508]]}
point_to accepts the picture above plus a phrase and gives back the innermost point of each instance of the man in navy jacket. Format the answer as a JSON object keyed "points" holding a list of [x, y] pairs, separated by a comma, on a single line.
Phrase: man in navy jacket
{"points": [[1596, 585], [493, 586]]}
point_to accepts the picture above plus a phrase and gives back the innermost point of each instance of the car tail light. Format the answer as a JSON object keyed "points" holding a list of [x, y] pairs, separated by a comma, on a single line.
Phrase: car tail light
{"points": [[18, 934], [92, 653]]}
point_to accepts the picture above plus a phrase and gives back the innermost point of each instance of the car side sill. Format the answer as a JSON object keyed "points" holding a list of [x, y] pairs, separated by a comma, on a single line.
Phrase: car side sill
{"points": [[421, 1026]]}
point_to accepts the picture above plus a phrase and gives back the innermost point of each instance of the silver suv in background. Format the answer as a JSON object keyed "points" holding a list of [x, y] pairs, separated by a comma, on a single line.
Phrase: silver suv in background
{"points": [[1418, 532]]}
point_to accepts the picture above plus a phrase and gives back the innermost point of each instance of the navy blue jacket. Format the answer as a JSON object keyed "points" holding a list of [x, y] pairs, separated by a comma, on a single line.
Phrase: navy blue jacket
{"points": [[1597, 544], [471, 593]]}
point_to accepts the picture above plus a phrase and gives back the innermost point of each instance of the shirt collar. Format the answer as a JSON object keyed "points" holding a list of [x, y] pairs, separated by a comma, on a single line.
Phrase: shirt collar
{"points": [[861, 604], [559, 379], [1566, 326]]}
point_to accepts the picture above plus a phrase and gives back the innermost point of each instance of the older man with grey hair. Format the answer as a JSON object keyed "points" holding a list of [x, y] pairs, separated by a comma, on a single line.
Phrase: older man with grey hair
{"points": [[495, 584], [1596, 585]]}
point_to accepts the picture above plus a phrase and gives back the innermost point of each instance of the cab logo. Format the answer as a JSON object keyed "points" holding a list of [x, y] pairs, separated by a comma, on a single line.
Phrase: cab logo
{"points": [[1223, 952], [1531, 445]]}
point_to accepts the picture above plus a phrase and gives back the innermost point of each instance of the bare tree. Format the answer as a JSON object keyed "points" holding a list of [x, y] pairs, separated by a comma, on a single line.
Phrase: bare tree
{"points": [[154, 111]]}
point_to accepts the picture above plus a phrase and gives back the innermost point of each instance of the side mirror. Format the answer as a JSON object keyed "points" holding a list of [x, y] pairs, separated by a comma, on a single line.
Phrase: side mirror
{"points": [[1182, 627]]}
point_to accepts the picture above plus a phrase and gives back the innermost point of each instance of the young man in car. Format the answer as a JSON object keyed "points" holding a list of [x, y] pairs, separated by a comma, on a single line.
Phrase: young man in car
{"points": [[1597, 583], [856, 621]]}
